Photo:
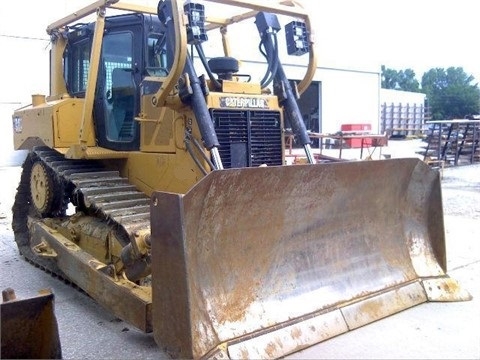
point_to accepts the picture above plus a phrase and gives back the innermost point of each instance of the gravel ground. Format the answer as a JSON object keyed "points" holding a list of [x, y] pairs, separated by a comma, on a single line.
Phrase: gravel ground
{"points": [[431, 330], [461, 191]]}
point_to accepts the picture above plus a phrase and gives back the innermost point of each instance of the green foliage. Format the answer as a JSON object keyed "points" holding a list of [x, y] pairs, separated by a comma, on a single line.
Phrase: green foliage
{"points": [[399, 80], [451, 93]]}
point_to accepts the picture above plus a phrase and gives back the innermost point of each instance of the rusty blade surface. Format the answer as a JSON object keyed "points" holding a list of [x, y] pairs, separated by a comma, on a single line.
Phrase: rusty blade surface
{"points": [[247, 251], [30, 329]]}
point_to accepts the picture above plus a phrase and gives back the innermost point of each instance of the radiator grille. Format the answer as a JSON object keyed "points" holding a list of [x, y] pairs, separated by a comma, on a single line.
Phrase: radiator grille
{"points": [[248, 138]]}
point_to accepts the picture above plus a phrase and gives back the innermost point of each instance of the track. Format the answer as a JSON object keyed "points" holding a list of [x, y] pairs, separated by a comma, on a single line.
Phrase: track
{"points": [[89, 186]]}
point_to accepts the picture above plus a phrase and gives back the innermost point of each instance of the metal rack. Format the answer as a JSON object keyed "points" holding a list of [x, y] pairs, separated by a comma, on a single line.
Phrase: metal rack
{"points": [[403, 120], [452, 142]]}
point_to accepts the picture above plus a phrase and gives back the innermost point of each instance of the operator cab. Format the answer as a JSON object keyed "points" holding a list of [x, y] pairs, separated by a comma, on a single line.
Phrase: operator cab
{"points": [[133, 47]]}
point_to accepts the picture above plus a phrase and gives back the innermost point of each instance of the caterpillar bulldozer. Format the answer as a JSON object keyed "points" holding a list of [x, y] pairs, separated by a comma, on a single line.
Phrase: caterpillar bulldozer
{"points": [[156, 181]]}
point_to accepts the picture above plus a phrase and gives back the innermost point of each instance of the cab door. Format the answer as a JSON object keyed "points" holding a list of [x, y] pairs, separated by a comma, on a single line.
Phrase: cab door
{"points": [[117, 100]]}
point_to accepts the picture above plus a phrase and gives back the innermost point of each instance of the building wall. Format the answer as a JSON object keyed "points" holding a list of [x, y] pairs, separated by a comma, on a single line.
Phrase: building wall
{"points": [[349, 97]]}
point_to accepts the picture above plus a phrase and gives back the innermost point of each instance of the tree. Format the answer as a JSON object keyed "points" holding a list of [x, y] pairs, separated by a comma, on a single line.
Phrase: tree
{"points": [[399, 80], [452, 94]]}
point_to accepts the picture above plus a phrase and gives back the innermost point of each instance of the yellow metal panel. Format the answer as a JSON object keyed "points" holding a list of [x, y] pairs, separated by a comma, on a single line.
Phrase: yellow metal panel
{"points": [[157, 129], [241, 87], [33, 124], [92, 153], [55, 124], [169, 172], [66, 119]]}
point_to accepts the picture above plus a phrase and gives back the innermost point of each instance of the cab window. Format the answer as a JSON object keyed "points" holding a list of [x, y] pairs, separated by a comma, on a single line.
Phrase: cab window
{"points": [[156, 59]]}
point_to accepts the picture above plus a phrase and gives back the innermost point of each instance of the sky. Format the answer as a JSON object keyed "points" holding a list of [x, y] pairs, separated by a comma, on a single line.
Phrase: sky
{"points": [[353, 34], [416, 34]]}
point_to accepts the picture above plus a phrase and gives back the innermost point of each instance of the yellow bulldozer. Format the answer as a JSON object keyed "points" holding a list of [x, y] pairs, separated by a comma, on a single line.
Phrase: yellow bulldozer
{"points": [[156, 181]]}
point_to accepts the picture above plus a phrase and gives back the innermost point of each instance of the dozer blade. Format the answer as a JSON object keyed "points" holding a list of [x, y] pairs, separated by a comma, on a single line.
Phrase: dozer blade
{"points": [[29, 327], [263, 262]]}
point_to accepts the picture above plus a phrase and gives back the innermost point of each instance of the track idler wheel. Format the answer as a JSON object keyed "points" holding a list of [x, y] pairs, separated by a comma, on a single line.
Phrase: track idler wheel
{"points": [[46, 191], [41, 187]]}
